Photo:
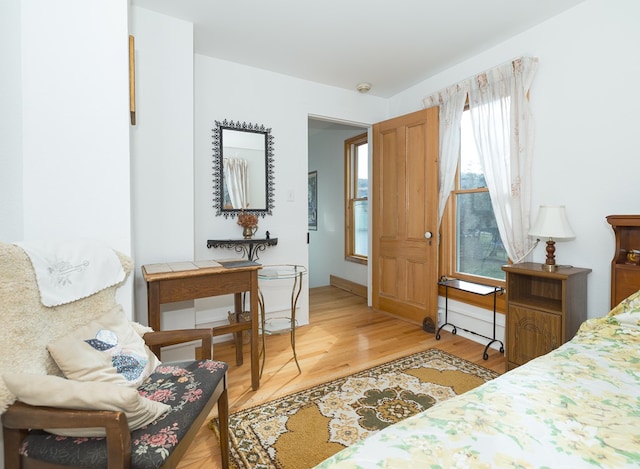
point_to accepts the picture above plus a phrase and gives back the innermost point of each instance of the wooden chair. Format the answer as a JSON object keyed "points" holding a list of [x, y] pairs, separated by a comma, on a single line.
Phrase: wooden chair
{"points": [[195, 386], [24, 446]]}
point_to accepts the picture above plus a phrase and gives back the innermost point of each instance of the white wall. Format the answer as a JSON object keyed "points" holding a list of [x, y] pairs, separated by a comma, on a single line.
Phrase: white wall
{"points": [[326, 245], [75, 125], [585, 111], [64, 121], [65, 165], [162, 145], [225, 90], [11, 204]]}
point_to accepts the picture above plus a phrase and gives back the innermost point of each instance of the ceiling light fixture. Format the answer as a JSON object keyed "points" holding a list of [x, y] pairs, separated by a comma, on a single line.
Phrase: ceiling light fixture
{"points": [[363, 87]]}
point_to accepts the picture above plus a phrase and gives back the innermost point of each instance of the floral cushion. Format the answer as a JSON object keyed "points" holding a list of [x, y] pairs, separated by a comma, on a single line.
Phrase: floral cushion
{"points": [[185, 386]]}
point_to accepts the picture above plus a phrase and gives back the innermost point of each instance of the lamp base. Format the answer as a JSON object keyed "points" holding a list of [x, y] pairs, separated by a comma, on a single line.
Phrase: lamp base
{"points": [[549, 268], [550, 263]]}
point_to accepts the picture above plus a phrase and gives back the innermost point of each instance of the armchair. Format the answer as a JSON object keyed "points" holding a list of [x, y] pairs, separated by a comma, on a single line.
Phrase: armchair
{"points": [[190, 388]]}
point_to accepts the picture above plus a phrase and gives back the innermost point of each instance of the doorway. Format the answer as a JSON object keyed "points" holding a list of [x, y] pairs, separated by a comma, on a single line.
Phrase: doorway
{"points": [[326, 239]]}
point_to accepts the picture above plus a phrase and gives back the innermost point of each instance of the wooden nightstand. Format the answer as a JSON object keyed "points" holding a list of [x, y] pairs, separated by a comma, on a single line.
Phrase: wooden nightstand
{"points": [[544, 309]]}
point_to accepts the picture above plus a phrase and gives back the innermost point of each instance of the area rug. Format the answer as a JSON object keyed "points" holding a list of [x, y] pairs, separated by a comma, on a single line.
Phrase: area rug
{"points": [[300, 430]]}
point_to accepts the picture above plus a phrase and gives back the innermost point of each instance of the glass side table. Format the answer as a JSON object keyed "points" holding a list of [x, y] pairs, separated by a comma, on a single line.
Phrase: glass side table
{"points": [[281, 272]]}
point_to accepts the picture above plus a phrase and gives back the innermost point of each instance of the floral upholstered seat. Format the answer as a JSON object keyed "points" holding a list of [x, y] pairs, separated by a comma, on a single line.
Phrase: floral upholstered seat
{"points": [[182, 385]]}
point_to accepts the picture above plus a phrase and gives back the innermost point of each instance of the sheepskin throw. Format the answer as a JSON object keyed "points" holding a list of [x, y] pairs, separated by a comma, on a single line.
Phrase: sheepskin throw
{"points": [[28, 326], [69, 270]]}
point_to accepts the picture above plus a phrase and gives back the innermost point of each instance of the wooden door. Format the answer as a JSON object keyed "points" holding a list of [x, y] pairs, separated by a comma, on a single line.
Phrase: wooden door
{"points": [[405, 207]]}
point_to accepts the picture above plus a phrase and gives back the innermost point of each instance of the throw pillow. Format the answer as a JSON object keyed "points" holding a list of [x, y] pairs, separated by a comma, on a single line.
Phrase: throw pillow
{"points": [[55, 391], [108, 349]]}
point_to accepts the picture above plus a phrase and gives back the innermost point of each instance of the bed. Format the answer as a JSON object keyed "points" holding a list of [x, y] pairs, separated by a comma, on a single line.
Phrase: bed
{"points": [[578, 406]]}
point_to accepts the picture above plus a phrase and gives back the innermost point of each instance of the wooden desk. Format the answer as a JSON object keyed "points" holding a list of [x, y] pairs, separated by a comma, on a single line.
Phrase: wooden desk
{"points": [[180, 281]]}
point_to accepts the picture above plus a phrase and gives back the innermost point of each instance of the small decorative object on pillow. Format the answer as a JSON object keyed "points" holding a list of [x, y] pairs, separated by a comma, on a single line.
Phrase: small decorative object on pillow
{"points": [[54, 391], [108, 349]]}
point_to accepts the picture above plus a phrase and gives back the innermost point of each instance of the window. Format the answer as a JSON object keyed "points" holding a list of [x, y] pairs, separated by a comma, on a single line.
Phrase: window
{"points": [[356, 174], [473, 248]]}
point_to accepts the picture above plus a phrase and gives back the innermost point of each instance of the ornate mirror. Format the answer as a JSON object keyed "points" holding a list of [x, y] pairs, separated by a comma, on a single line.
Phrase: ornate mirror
{"points": [[242, 169]]}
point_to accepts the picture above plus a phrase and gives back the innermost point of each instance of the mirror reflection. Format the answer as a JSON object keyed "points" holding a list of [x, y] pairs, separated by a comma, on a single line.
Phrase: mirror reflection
{"points": [[243, 163]]}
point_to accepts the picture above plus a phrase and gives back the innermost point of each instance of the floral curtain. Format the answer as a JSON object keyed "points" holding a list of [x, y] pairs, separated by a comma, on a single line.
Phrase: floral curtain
{"points": [[235, 180], [503, 128], [451, 102]]}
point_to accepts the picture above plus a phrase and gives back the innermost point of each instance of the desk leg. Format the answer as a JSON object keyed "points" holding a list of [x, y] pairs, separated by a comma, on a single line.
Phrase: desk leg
{"points": [[153, 311], [262, 327], [237, 336], [255, 349]]}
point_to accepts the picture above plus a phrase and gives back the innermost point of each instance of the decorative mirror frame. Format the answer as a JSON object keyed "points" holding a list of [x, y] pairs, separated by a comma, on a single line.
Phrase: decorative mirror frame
{"points": [[218, 168]]}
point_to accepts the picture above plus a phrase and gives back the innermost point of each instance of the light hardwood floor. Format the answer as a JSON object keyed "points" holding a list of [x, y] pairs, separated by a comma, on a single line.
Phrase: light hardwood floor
{"points": [[344, 336]]}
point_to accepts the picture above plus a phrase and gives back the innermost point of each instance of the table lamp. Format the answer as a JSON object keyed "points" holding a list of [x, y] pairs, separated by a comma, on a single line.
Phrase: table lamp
{"points": [[551, 223]]}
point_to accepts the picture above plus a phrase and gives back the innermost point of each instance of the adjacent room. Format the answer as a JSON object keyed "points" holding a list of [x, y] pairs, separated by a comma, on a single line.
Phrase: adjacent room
{"points": [[348, 234]]}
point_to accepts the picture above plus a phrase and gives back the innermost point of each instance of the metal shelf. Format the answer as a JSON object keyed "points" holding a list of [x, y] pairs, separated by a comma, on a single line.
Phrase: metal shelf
{"points": [[476, 289]]}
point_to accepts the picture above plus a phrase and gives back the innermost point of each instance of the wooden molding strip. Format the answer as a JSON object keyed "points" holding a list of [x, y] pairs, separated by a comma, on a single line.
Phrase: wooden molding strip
{"points": [[348, 285]]}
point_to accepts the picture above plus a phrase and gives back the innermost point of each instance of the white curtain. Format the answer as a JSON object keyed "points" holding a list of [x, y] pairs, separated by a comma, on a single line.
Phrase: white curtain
{"points": [[451, 103], [503, 130], [235, 178]]}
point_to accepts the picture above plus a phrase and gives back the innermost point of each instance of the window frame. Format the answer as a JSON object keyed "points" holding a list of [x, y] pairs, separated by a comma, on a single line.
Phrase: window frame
{"points": [[449, 248], [350, 189]]}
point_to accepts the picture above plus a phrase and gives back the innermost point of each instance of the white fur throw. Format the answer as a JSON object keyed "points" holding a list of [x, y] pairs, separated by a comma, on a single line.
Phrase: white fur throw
{"points": [[28, 326]]}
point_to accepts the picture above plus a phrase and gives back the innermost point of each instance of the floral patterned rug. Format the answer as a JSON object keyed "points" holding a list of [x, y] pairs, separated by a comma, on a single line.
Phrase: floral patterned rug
{"points": [[300, 430]]}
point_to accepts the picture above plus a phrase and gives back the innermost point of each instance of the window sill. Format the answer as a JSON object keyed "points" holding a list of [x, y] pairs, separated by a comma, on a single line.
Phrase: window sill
{"points": [[357, 259]]}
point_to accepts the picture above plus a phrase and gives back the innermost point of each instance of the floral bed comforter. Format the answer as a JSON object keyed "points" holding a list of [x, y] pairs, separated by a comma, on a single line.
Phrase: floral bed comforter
{"points": [[578, 406]]}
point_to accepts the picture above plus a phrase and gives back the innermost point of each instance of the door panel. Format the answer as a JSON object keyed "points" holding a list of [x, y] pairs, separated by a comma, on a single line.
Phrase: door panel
{"points": [[415, 183], [388, 178], [416, 295], [388, 284], [405, 189]]}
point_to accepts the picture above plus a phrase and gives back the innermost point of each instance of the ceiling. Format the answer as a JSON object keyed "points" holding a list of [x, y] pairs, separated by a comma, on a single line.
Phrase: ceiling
{"points": [[391, 44]]}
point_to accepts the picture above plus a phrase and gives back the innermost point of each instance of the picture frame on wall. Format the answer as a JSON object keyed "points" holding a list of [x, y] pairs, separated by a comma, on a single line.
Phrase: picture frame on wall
{"points": [[313, 200]]}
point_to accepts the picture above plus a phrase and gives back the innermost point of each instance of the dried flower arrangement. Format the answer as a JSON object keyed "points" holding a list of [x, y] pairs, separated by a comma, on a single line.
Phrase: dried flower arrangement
{"points": [[247, 220]]}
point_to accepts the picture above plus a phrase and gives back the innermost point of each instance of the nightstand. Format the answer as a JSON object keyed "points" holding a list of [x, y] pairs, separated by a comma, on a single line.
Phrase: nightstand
{"points": [[544, 309]]}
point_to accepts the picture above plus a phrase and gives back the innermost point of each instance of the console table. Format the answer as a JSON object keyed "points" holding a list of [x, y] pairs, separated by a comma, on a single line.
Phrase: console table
{"points": [[180, 281], [248, 247], [476, 289]]}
